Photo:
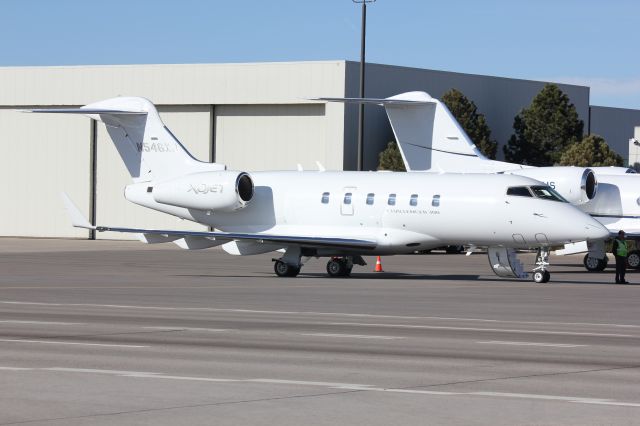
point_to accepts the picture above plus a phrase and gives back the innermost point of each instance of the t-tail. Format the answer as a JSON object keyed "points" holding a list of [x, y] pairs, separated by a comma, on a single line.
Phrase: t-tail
{"points": [[147, 147], [428, 135]]}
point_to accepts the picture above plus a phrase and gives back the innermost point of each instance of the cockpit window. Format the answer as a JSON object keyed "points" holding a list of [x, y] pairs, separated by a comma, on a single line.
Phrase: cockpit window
{"points": [[547, 193], [519, 191]]}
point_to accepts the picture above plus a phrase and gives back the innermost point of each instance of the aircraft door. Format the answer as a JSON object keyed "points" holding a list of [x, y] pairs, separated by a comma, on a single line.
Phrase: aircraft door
{"points": [[346, 206]]}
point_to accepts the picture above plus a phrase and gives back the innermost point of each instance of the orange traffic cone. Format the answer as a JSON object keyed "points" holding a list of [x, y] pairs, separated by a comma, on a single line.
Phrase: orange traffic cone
{"points": [[378, 265]]}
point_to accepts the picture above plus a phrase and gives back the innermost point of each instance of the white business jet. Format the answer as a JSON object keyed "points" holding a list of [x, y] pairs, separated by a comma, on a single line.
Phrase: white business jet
{"points": [[339, 215], [430, 139]]}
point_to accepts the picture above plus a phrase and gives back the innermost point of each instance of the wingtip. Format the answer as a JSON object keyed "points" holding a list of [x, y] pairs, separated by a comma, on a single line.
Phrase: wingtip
{"points": [[77, 219]]}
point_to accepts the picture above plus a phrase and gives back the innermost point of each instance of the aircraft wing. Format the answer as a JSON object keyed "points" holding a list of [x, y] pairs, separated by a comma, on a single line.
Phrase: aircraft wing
{"points": [[308, 241], [79, 221], [633, 234]]}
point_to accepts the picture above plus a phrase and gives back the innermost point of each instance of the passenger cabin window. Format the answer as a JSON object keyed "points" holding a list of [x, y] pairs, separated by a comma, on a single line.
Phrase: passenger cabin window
{"points": [[392, 200], [325, 198], [414, 200], [547, 193], [435, 202], [519, 191], [370, 198], [347, 198]]}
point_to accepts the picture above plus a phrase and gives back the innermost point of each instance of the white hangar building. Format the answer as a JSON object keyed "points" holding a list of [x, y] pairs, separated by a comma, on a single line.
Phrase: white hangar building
{"points": [[253, 116]]}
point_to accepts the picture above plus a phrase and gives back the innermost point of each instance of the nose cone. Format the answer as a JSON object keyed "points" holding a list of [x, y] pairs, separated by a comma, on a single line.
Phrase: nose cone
{"points": [[572, 225], [594, 230]]}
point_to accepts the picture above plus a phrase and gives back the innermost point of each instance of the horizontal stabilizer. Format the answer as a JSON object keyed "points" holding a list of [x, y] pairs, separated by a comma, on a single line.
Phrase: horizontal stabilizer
{"points": [[146, 146], [77, 219], [83, 111], [375, 101]]}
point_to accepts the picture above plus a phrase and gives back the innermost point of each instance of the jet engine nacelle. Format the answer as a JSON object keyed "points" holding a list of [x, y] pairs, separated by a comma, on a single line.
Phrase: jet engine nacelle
{"points": [[577, 184], [218, 191]]}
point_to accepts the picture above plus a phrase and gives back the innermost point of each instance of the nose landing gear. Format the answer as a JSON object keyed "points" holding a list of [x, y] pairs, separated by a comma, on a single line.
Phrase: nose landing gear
{"points": [[540, 273]]}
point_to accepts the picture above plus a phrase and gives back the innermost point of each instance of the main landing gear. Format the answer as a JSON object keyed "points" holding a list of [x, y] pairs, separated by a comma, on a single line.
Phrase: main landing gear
{"points": [[540, 272], [290, 264], [339, 267], [283, 269]]}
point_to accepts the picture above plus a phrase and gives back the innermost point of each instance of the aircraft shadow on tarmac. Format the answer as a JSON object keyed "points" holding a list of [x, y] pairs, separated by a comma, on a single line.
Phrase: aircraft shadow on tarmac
{"points": [[606, 277], [361, 276]]}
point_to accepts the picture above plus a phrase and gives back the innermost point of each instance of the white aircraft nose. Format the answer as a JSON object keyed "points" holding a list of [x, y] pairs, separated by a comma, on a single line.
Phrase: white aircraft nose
{"points": [[595, 230]]}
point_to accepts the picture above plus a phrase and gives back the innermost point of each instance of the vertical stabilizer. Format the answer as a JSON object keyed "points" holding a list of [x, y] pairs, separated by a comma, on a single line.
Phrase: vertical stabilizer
{"points": [[148, 149], [428, 135]]}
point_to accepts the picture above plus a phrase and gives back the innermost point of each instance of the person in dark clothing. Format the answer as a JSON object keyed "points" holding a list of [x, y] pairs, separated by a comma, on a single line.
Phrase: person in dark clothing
{"points": [[620, 251]]}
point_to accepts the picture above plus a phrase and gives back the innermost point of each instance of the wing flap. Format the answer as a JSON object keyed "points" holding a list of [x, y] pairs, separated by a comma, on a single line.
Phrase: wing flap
{"points": [[351, 243]]}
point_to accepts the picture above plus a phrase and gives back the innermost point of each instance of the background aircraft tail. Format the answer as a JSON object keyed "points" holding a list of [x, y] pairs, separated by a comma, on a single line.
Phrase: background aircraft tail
{"points": [[147, 147], [428, 135]]}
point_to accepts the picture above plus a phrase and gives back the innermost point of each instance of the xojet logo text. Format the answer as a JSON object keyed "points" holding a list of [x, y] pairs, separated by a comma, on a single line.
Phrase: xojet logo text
{"points": [[203, 188]]}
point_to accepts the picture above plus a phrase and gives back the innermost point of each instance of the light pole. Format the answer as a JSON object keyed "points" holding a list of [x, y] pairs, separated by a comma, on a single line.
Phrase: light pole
{"points": [[361, 106]]}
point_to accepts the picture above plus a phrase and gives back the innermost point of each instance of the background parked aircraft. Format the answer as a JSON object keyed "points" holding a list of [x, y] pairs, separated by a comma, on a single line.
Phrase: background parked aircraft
{"points": [[431, 140]]}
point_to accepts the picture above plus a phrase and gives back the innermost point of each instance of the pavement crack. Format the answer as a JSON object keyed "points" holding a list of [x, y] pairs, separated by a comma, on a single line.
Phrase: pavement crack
{"points": [[526, 376], [181, 407], [75, 336]]}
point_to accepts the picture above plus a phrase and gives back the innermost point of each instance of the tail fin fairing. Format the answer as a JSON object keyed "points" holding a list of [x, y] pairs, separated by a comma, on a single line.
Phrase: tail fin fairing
{"points": [[147, 148]]}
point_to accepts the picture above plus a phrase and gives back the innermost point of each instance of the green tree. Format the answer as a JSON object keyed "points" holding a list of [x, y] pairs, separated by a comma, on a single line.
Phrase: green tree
{"points": [[473, 123], [391, 159], [591, 151], [544, 130]]}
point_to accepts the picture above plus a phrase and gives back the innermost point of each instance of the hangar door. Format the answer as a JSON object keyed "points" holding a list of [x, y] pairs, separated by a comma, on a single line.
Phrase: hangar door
{"points": [[270, 137], [192, 126], [42, 156]]}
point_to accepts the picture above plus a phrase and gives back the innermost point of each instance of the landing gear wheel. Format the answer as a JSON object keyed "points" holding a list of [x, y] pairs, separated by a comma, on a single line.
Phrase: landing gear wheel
{"points": [[633, 259], [285, 270], [541, 276], [595, 265], [337, 268]]}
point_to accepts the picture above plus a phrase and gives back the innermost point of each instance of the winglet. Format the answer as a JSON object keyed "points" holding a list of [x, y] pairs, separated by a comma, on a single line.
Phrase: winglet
{"points": [[77, 219]]}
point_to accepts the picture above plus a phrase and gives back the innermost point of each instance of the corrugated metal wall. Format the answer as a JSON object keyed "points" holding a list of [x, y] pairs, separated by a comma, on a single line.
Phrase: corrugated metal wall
{"points": [[42, 156], [616, 126], [270, 137]]}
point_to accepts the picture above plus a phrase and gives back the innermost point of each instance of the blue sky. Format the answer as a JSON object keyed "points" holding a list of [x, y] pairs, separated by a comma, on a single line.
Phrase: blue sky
{"points": [[586, 42]]}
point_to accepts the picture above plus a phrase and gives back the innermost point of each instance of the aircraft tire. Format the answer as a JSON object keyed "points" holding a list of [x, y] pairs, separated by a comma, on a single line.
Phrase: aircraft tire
{"points": [[285, 270], [633, 259], [337, 268], [592, 264], [541, 277]]}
